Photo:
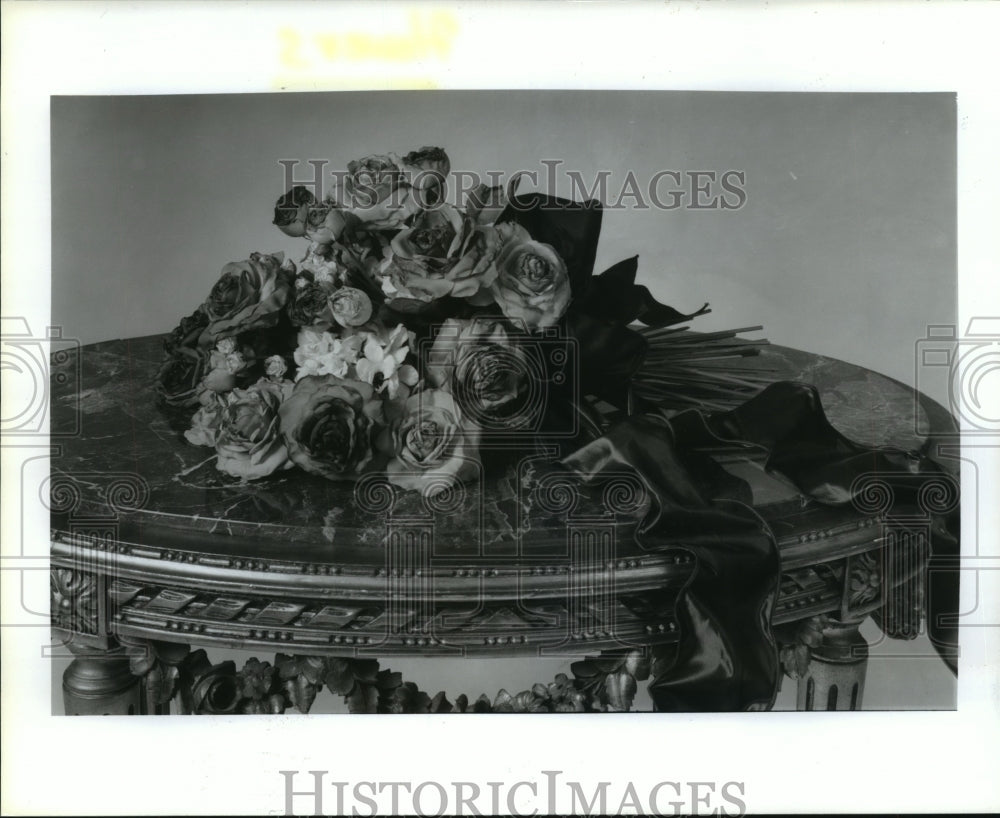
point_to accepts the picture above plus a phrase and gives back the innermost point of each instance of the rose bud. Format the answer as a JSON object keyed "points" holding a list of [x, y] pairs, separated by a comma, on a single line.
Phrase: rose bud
{"points": [[292, 209], [426, 171], [351, 307], [275, 367]]}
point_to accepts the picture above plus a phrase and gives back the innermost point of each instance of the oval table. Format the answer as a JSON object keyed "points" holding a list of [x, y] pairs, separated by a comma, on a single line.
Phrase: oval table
{"points": [[158, 559]]}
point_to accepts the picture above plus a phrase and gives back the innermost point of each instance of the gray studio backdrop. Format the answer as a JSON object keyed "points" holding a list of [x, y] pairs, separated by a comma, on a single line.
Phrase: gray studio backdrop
{"points": [[845, 244]]}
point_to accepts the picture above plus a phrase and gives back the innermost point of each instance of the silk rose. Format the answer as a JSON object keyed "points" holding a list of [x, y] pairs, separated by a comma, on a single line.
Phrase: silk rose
{"points": [[445, 253], [432, 449], [532, 285], [249, 295], [327, 424], [249, 443]]}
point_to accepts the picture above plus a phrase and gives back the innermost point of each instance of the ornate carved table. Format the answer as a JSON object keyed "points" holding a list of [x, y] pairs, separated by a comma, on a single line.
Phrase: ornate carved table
{"points": [[157, 560]]}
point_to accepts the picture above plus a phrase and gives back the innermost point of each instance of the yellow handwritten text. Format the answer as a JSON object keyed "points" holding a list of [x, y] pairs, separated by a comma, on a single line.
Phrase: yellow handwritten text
{"points": [[427, 35]]}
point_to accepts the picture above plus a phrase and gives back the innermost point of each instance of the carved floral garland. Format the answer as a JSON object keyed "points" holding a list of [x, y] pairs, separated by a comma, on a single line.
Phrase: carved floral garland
{"points": [[600, 684]]}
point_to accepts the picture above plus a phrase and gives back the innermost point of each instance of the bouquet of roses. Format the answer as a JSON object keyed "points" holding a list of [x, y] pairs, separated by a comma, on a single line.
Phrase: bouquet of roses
{"points": [[439, 343], [411, 331]]}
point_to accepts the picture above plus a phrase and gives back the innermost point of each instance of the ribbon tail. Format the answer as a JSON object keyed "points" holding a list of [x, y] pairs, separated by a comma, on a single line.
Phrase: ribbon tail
{"points": [[727, 657]]}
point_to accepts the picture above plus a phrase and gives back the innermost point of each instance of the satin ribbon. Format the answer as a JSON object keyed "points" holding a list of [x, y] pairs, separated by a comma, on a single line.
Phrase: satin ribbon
{"points": [[727, 657]]}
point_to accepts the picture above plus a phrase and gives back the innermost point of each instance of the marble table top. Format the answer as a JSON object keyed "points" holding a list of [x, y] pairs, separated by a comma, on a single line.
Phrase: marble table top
{"points": [[119, 454]]}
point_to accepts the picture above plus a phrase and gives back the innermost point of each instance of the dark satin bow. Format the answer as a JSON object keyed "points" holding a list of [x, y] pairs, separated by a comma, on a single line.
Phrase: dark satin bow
{"points": [[727, 657]]}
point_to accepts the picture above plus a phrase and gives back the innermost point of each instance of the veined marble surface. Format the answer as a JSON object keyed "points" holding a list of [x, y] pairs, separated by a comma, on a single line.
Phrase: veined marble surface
{"points": [[121, 454]]}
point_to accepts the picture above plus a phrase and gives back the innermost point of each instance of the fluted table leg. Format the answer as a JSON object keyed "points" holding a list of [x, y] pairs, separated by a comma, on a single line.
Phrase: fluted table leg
{"points": [[835, 678]]}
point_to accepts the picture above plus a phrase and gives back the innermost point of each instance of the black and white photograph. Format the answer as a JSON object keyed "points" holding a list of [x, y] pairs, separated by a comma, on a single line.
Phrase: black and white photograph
{"points": [[404, 406], [460, 396]]}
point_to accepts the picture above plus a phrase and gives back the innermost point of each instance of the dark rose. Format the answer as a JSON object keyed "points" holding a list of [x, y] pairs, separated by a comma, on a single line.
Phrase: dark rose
{"points": [[250, 444], [495, 381], [432, 449], [275, 367], [327, 425], [291, 210], [310, 304], [298, 214], [491, 382], [179, 378], [532, 286], [248, 295], [187, 332]]}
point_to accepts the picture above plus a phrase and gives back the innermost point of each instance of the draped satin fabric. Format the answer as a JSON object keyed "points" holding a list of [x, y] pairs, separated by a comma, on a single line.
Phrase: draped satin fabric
{"points": [[727, 657]]}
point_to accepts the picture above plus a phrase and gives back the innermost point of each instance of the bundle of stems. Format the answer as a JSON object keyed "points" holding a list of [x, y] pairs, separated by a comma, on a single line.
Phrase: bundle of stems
{"points": [[708, 370]]}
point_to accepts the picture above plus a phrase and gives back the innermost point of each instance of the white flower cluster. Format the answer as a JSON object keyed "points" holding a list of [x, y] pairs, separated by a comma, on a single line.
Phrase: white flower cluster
{"points": [[322, 353], [373, 357], [384, 357]]}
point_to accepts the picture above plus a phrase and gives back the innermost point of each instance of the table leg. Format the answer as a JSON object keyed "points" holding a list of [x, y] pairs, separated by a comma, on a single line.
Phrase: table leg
{"points": [[101, 684], [835, 676]]}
